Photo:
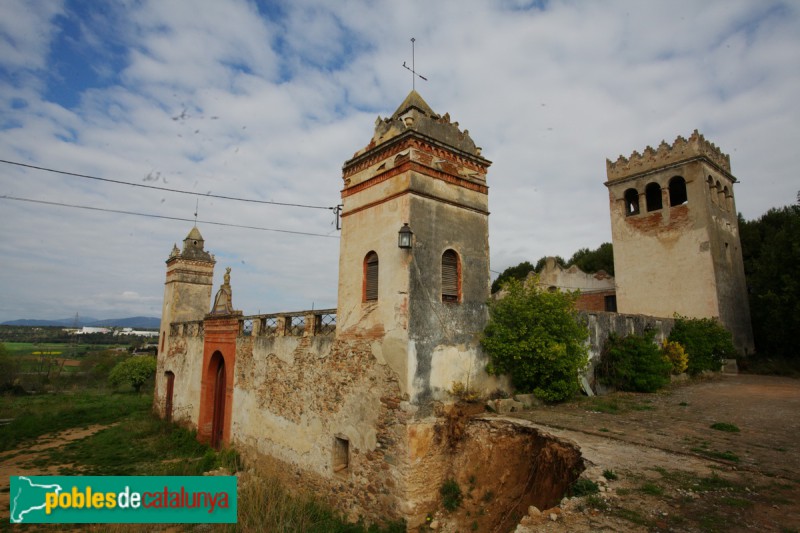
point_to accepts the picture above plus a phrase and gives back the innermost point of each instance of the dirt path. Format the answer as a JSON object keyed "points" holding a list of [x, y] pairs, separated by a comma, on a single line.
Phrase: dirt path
{"points": [[676, 473], [20, 461]]}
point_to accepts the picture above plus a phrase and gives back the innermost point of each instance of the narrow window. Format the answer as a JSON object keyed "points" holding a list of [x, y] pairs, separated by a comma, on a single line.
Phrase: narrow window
{"points": [[726, 199], [720, 197], [677, 191], [611, 303], [631, 202], [451, 279], [712, 192], [652, 195], [341, 454], [168, 397], [371, 277]]}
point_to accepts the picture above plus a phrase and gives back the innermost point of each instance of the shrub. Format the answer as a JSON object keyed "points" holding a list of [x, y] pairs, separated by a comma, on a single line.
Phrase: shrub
{"points": [[676, 355], [536, 337], [134, 371], [633, 363], [451, 495], [706, 341]]}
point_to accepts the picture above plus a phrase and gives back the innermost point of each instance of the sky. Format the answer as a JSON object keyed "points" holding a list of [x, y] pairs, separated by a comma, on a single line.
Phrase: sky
{"points": [[266, 100]]}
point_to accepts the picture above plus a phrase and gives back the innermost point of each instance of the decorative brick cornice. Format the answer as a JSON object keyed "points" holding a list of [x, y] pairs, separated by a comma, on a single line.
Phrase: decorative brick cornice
{"points": [[413, 165], [665, 155]]}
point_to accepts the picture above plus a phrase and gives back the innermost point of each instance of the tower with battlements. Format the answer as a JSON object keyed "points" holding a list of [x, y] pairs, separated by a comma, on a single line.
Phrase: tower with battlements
{"points": [[676, 235]]}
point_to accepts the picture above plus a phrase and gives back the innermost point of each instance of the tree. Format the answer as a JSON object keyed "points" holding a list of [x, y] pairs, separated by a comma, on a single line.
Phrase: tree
{"points": [[594, 260], [135, 371], [771, 253], [537, 338], [8, 371], [519, 272]]}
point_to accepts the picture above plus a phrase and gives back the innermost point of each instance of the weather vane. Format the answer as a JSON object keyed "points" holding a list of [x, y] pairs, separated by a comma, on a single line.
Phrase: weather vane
{"points": [[196, 205], [414, 73]]}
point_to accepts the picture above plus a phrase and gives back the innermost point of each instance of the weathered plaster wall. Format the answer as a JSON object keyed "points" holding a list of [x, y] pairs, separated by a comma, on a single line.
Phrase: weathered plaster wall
{"points": [[181, 358], [445, 336], [295, 396]]}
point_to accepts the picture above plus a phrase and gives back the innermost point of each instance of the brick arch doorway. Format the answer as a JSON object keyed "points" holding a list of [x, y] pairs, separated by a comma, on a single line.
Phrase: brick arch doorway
{"points": [[218, 380]]}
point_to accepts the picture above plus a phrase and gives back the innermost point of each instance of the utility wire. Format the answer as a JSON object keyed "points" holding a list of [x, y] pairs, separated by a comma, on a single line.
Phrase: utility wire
{"points": [[149, 215], [119, 182]]}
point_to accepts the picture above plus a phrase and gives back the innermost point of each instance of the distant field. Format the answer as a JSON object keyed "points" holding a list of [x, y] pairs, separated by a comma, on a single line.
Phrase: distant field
{"points": [[59, 349]]}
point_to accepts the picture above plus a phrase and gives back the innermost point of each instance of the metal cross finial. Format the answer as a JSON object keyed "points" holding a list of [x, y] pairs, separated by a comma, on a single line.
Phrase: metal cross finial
{"points": [[414, 73], [196, 205]]}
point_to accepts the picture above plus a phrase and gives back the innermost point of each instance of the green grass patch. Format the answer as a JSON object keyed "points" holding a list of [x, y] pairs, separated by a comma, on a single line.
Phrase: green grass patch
{"points": [[630, 515], [732, 501], [42, 414], [451, 495], [609, 475], [724, 426], [652, 489], [611, 406], [714, 454], [583, 487]]}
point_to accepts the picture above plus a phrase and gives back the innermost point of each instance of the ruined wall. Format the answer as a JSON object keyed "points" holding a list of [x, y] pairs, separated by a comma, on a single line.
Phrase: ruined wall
{"points": [[601, 325], [297, 398]]}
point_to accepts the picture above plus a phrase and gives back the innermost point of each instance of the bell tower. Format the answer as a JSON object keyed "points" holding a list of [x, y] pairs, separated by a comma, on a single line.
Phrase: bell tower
{"points": [[187, 291], [676, 235], [414, 253]]}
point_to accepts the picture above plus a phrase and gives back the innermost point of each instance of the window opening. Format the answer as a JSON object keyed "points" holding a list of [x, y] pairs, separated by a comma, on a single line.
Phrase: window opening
{"points": [[611, 303], [450, 277], [631, 202], [653, 196], [341, 454], [371, 277], [677, 191]]}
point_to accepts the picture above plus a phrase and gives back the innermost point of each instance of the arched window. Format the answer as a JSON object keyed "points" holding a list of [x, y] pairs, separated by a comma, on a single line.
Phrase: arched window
{"points": [[726, 198], [712, 192], [631, 202], [652, 195], [451, 277], [677, 191], [720, 195], [371, 277]]}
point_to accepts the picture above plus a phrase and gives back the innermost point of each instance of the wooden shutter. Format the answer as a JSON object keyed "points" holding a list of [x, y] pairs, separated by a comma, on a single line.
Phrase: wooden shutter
{"points": [[371, 277], [450, 276]]}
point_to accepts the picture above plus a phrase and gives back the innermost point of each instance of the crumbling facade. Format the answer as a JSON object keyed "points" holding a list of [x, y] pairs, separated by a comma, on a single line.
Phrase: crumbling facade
{"points": [[597, 290], [676, 235]]}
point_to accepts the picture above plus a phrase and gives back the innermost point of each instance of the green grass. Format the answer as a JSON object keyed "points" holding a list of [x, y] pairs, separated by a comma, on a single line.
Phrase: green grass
{"points": [[49, 413], [726, 456], [138, 443], [652, 489], [724, 426]]}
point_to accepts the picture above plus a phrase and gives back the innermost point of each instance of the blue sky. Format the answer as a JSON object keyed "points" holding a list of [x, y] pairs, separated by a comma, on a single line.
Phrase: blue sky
{"points": [[267, 100]]}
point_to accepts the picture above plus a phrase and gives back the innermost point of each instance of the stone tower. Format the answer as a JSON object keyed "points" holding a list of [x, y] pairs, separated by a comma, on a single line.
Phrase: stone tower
{"points": [[187, 295], [676, 235], [425, 302]]}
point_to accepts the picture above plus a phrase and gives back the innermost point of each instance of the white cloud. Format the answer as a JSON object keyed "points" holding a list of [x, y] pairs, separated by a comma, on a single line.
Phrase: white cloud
{"points": [[266, 101]]}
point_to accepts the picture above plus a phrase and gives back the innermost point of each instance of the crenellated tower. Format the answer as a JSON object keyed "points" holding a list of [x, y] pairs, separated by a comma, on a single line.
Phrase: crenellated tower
{"points": [[676, 236]]}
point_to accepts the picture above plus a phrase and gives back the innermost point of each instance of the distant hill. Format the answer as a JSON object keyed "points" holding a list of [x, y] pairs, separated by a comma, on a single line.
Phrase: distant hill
{"points": [[135, 322]]}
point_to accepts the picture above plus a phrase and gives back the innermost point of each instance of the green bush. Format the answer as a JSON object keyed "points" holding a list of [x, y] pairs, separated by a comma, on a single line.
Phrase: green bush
{"points": [[633, 363], [134, 371], [676, 355], [451, 495], [706, 341], [536, 337]]}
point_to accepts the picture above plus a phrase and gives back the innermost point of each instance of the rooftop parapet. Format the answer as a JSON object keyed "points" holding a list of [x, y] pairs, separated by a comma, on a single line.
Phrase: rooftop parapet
{"points": [[681, 150]]}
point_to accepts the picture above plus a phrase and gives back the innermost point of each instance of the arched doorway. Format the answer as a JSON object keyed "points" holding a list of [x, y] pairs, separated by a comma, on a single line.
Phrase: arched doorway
{"points": [[170, 390], [217, 369]]}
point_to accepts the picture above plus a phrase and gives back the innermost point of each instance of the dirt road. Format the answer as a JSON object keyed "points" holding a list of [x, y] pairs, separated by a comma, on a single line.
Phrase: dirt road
{"points": [[674, 472]]}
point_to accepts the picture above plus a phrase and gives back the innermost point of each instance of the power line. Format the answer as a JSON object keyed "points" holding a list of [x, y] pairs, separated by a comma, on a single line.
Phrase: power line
{"points": [[179, 191], [149, 215]]}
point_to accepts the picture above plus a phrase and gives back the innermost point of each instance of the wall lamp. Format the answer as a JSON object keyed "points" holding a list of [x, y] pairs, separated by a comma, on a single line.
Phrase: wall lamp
{"points": [[404, 237]]}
